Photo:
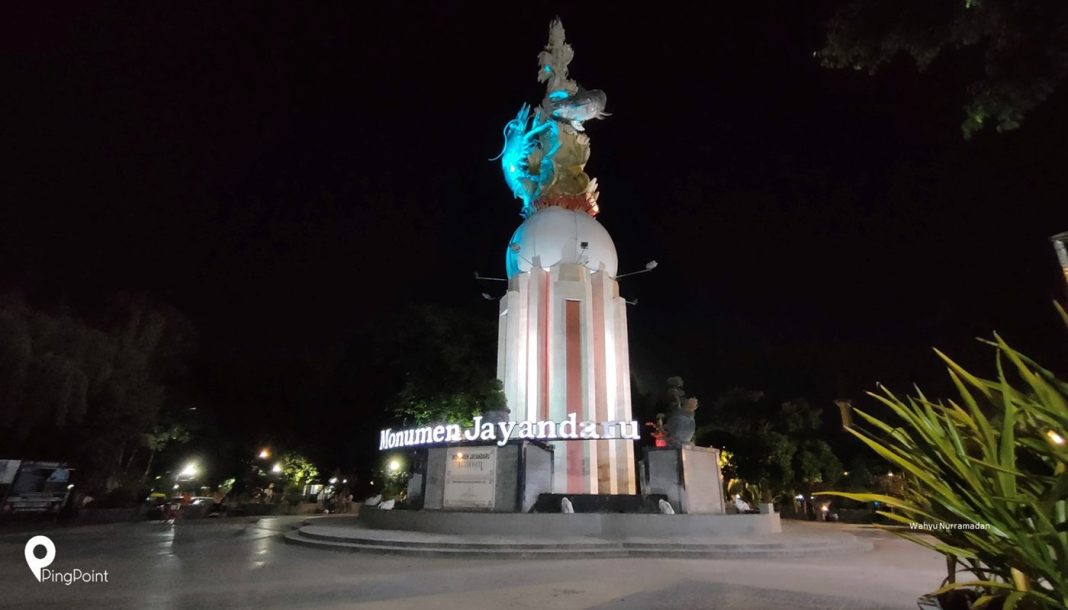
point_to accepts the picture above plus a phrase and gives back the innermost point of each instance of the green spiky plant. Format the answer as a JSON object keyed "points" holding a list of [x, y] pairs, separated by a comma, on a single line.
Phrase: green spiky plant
{"points": [[997, 457]]}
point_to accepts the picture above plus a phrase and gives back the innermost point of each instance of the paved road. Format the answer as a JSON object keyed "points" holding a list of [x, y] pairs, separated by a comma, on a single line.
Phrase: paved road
{"points": [[242, 563]]}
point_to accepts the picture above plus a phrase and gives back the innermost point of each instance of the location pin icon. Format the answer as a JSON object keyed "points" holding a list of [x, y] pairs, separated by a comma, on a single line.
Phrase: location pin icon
{"points": [[36, 565]]}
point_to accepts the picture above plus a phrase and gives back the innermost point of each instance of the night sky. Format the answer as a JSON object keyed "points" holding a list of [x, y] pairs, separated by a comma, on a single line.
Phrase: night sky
{"points": [[290, 176]]}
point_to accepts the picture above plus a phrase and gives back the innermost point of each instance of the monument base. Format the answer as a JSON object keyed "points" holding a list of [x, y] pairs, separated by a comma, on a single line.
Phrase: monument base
{"points": [[688, 476], [613, 526], [601, 503], [490, 478]]}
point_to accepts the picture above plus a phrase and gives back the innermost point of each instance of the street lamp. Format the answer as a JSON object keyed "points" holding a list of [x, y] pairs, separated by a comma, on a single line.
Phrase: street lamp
{"points": [[277, 468], [648, 267], [265, 453], [189, 471]]}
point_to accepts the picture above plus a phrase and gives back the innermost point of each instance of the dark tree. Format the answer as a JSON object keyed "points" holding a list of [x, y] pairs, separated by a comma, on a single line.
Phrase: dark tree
{"points": [[775, 446], [89, 393], [1022, 48], [443, 362]]}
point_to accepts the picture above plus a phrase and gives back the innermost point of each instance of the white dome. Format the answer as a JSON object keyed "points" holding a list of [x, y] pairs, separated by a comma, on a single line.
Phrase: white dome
{"points": [[556, 235]]}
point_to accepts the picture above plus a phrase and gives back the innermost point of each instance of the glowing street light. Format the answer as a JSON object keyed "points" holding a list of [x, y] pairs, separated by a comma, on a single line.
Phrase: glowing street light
{"points": [[265, 453], [277, 468], [394, 465], [189, 471]]}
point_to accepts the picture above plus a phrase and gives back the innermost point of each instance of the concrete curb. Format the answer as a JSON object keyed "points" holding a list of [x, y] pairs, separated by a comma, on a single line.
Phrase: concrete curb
{"points": [[356, 540]]}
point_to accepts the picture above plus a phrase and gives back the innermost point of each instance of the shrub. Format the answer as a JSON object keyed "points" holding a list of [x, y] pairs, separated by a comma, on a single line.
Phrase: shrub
{"points": [[997, 457]]}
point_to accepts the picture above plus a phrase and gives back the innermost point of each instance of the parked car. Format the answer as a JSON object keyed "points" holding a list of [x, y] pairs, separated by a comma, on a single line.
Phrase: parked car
{"points": [[155, 506], [200, 507]]}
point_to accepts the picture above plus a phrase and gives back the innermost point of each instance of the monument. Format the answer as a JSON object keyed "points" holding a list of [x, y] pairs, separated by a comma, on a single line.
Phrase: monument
{"points": [[565, 438], [562, 342], [554, 473]]}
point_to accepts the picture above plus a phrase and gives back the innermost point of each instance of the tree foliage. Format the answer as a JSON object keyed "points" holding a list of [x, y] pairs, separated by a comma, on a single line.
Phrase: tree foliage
{"points": [[775, 446], [297, 470], [1024, 48], [89, 393], [446, 364]]}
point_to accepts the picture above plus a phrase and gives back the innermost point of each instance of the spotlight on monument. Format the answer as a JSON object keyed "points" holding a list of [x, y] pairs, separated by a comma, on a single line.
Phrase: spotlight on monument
{"points": [[394, 465]]}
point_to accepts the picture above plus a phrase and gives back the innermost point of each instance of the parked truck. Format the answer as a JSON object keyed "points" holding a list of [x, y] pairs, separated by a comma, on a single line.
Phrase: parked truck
{"points": [[28, 487]]}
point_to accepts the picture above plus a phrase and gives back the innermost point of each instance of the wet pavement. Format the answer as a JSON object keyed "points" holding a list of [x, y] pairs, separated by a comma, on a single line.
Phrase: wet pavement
{"points": [[243, 563]]}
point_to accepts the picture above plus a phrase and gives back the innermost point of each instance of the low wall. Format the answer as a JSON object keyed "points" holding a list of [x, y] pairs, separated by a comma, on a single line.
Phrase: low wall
{"points": [[605, 525]]}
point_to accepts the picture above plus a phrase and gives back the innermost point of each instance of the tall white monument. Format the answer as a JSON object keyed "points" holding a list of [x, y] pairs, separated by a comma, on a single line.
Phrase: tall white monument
{"points": [[562, 345]]}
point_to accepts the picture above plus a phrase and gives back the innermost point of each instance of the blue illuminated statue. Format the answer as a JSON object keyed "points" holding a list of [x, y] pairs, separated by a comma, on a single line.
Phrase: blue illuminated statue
{"points": [[529, 147], [545, 152]]}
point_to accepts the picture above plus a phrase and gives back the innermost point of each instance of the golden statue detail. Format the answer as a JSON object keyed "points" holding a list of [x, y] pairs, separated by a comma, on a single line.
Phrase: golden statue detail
{"points": [[544, 156]]}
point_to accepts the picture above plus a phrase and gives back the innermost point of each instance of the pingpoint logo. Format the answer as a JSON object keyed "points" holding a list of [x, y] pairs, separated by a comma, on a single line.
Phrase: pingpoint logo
{"points": [[36, 565], [39, 565]]}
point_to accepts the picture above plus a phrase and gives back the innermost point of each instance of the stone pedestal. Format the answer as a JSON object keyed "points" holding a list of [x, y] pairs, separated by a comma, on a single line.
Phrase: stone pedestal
{"points": [[487, 477], [688, 476]]}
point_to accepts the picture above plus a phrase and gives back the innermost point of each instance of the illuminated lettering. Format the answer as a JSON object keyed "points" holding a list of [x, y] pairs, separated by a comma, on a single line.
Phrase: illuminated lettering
{"points": [[501, 432], [506, 432], [567, 428], [526, 430], [452, 433], [546, 426], [633, 426], [589, 429], [423, 435], [472, 434]]}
